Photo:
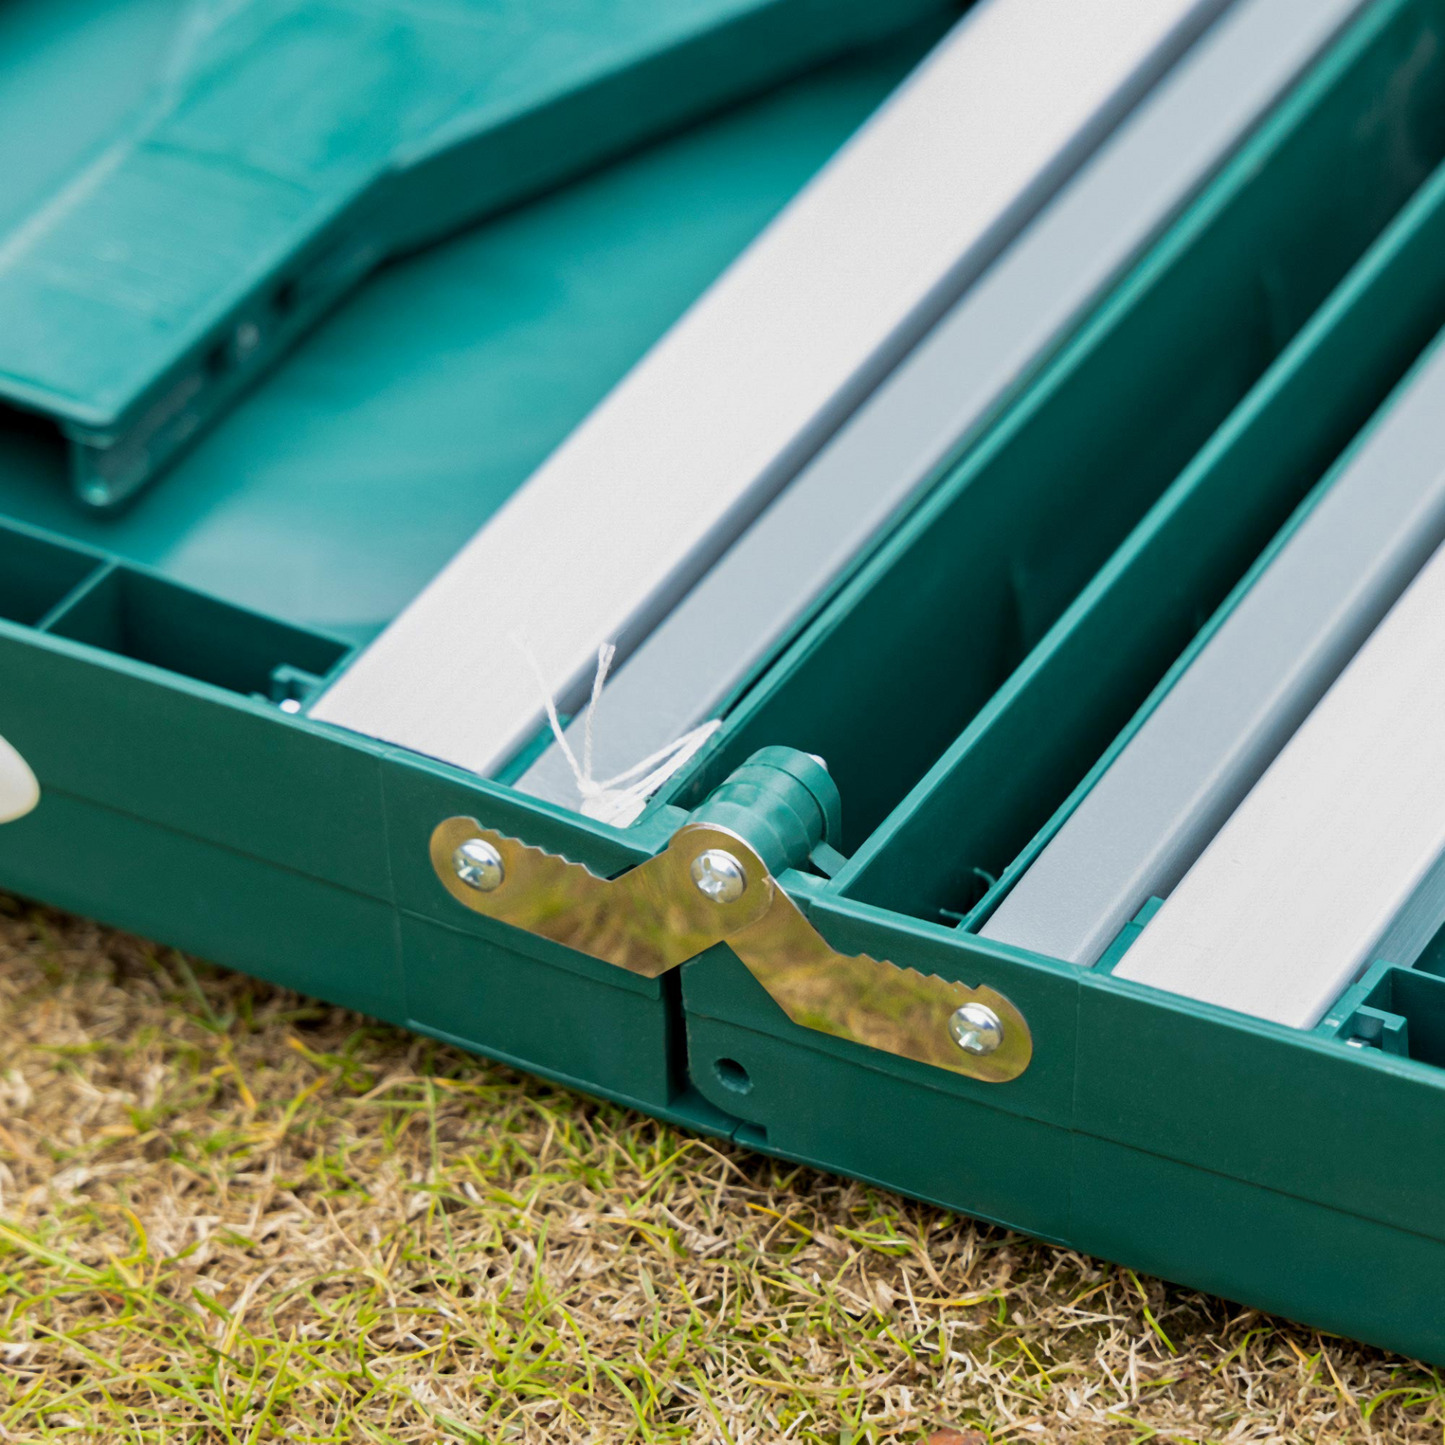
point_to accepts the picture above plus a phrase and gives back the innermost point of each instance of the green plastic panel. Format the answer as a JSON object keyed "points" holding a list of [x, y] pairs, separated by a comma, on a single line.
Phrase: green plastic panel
{"points": [[289, 147], [1342, 1273], [73, 70], [215, 822], [174, 885]]}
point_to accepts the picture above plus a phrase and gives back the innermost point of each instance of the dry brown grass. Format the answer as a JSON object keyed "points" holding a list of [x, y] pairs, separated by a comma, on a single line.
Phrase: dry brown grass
{"points": [[229, 1214]]}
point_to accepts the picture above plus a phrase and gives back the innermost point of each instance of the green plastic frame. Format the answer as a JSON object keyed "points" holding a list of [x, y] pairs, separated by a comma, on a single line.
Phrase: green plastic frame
{"points": [[1061, 581]]}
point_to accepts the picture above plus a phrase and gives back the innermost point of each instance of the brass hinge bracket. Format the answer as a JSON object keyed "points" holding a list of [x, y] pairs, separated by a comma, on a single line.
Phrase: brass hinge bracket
{"points": [[656, 916]]}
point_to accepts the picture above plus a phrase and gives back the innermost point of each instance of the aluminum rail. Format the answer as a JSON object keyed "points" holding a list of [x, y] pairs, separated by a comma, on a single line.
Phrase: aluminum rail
{"points": [[1337, 856], [746, 607], [652, 488], [1211, 737]]}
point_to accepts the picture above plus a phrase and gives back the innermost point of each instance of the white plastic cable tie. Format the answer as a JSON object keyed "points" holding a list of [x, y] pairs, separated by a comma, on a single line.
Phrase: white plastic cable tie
{"points": [[618, 800]]}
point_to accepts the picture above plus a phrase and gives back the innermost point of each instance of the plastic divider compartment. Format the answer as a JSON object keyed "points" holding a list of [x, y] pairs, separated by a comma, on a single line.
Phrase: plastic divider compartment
{"points": [[914, 650], [1401, 1012], [1398, 1010], [37, 575], [147, 619]]}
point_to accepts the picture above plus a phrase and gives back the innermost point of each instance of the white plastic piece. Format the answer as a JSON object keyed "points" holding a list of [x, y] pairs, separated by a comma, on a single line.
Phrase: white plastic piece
{"points": [[675, 463], [19, 790], [1337, 856]]}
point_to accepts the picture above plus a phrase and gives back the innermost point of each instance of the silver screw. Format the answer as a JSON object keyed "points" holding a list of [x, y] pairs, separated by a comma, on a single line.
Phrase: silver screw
{"points": [[478, 865], [719, 875], [976, 1029]]}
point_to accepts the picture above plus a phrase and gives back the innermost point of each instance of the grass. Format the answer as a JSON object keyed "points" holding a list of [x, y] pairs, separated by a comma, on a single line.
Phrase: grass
{"points": [[229, 1214]]}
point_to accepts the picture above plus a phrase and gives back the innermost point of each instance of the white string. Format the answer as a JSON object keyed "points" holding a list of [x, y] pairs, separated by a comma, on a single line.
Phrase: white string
{"points": [[617, 800]]}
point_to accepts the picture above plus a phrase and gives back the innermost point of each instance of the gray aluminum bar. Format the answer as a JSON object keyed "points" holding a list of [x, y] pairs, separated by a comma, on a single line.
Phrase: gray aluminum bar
{"points": [[1218, 728], [1337, 856], [746, 607], [665, 474]]}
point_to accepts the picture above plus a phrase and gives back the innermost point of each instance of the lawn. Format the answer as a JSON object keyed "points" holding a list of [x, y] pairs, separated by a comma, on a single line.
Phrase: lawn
{"points": [[230, 1214]]}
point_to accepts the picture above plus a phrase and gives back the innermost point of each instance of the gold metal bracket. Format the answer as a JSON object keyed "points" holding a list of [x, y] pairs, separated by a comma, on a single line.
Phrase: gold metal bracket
{"points": [[655, 916]]}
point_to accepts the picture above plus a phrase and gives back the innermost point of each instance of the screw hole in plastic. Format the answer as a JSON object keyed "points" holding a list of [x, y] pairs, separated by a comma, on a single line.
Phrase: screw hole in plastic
{"points": [[732, 1075]]}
